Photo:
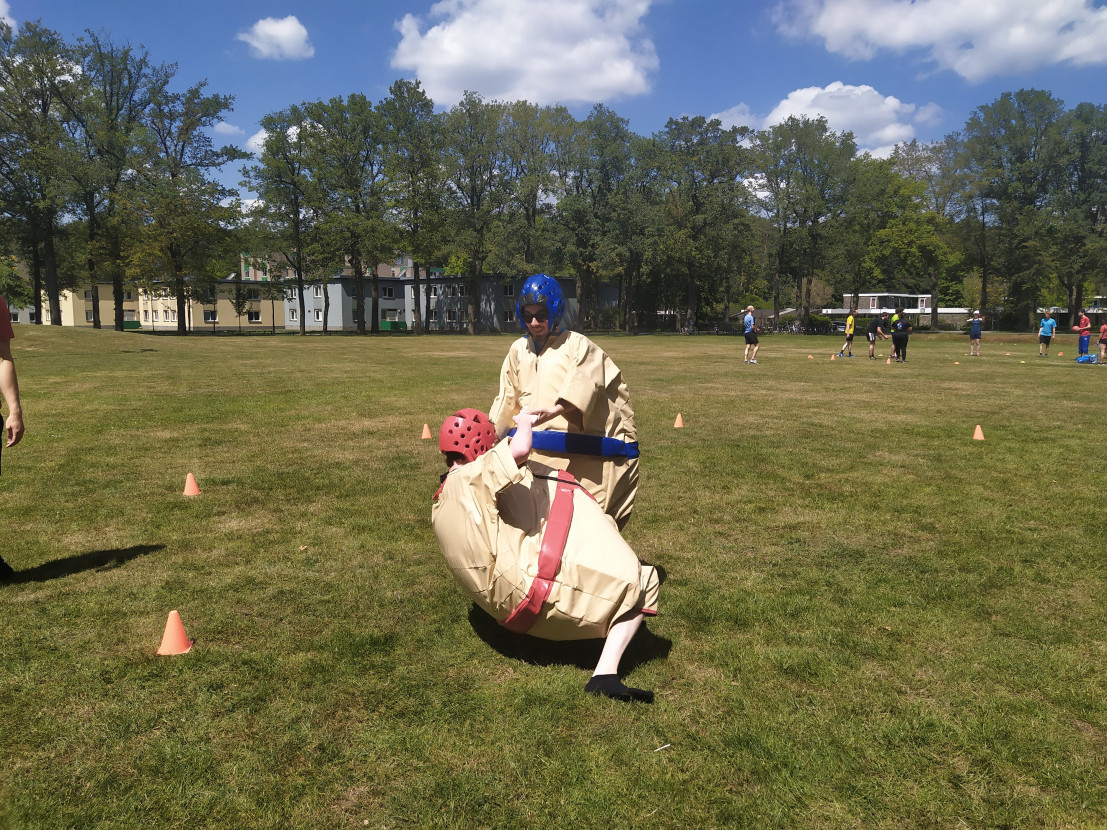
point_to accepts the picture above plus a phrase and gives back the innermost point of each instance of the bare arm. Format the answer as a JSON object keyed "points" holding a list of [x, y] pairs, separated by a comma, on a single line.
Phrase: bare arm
{"points": [[9, 387], [521, 441]]}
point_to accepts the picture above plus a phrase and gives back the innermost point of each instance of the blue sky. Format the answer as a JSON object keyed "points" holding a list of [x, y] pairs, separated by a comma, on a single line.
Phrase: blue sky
{"points": [[889, 70]]}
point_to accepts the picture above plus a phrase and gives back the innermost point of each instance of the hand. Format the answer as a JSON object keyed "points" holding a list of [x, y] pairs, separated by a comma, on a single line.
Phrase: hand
{"points": [[540, 416], [13, 429], [525, 418]]}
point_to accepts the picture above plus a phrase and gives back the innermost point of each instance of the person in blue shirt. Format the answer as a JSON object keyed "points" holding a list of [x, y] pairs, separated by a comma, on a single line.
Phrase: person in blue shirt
{"points": [[976, 327], [1045, 334], [751, 336]]}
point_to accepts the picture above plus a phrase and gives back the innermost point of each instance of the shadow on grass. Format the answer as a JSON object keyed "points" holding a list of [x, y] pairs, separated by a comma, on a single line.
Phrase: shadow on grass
{"points": [[644, 648], [93, 560]]}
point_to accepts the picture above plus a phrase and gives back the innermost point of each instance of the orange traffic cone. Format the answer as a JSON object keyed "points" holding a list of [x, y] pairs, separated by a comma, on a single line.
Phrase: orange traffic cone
{"points": [[174, 641], [811, 357], [957, 363], [979, 434], [679, 422], [426, 431], [888, 361], [834, 357], [191, 487], [1060, 354]]}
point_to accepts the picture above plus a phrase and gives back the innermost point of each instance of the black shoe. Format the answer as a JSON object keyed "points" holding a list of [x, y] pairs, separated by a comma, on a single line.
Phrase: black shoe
{"points": [[6, 571]]}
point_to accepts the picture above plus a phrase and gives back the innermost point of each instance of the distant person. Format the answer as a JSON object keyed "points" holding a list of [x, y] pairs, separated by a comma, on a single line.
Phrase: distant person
{"points": [[750, 330], [1103, 344], [1045, 333], [533, 549], [976, 328], [901, 331], [1083, 328], [578, 396], [875, 332], [9, 387], [892, 327], [847, 347]]}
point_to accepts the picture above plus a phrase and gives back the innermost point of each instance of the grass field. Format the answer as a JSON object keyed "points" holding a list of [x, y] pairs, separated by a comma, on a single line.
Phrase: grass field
{"points": [[870, 620]]}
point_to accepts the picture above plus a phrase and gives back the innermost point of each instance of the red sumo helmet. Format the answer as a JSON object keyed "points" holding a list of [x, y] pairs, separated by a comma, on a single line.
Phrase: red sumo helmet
{"points": [[468, 432]]}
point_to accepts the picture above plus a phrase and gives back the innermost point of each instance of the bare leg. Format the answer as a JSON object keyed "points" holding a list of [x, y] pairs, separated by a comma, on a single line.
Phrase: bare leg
{"points": [[605, 679], [616, 643]]}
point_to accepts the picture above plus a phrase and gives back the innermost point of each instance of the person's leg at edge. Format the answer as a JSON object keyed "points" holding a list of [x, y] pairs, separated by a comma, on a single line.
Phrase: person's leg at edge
{"points": [[605, 679]]}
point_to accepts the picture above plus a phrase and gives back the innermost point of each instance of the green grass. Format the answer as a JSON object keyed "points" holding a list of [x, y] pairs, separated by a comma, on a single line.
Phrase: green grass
{"points": [[869, 618]]}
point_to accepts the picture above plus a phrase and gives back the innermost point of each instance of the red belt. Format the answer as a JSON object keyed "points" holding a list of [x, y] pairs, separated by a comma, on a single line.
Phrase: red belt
{"points": [[549, 556]]}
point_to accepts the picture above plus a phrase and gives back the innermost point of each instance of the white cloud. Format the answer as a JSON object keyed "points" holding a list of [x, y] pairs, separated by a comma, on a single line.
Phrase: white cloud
{"points": [[878, 122], [223, 128], [284, 39], [543, 51], [256, 143], [977, 39], [6, 14]]}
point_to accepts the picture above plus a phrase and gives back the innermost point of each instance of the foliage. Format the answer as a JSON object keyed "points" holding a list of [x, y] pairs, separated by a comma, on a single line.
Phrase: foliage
{"points": [[107, 176]]}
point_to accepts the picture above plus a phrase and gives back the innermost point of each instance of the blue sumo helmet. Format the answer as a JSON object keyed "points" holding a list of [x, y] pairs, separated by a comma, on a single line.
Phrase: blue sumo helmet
{"points": [[541, 289]]}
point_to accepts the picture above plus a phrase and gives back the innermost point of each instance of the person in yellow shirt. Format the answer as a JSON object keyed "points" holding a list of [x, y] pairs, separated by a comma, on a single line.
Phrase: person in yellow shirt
{"points": [[847, 347], [529, 545]]}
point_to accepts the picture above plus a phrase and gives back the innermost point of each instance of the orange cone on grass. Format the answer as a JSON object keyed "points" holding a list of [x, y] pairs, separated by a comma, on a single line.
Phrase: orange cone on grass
{"points": [[679, 422], [426, 431], [174, 641], [191, 487], [979, 434]]}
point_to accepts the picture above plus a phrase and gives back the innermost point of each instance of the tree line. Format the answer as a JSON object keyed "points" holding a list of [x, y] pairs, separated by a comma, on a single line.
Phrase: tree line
{"points": [[108, 177]]}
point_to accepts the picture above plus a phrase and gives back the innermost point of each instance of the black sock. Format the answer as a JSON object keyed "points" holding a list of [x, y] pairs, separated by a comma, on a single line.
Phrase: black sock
{"points": [[609, 685]]}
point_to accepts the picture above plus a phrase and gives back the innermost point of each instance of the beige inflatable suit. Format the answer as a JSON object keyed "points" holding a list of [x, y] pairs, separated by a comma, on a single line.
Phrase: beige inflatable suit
{"points": [[492, 517], [573, 368]]}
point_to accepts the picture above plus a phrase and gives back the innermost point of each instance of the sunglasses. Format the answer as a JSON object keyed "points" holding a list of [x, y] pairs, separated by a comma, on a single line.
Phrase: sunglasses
{"points": [[540, 316]]}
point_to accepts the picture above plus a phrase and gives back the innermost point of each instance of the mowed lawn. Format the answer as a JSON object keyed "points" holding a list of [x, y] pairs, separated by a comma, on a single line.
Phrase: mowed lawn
{"points": [[869, 618]]}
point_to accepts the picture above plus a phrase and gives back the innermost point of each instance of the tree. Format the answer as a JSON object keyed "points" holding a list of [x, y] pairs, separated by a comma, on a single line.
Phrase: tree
{"points": [[414, 177], [106, 104], [185, 220], [804, 171], [347, 156], [283, 215], [700, 173], [1013, 149], [475, 171], [35, 148]]}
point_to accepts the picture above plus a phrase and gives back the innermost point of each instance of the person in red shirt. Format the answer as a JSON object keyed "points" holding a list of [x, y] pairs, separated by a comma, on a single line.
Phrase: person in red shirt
{"points": [[1084, 328], [9, 387]]}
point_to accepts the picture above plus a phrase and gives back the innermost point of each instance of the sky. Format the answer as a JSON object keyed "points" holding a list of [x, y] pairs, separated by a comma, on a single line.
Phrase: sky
{"points": [[886, 70]]}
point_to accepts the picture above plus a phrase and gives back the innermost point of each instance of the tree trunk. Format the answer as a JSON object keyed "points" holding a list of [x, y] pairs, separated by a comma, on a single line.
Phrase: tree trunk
{"points": [[50, 264]]}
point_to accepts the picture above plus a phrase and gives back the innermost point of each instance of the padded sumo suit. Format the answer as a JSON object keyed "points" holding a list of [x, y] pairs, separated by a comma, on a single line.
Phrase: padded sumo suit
{"points": [[492, 519], [574, 368]]}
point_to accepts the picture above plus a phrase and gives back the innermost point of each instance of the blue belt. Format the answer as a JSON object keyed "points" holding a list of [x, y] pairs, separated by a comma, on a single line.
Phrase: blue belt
{"points": [[576, 443]]}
